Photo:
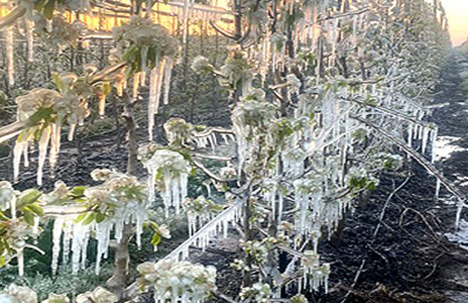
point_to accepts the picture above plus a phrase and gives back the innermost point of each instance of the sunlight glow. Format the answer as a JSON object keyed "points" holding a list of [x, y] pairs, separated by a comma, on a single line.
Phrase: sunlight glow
{"points": [[457, 13]]}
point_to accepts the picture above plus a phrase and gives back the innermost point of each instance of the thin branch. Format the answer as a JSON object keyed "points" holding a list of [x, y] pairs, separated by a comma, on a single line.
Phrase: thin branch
{"points": [[208, 172], [222, 32], [344, 15], [12, 17], [213, 157], [426, 164]]}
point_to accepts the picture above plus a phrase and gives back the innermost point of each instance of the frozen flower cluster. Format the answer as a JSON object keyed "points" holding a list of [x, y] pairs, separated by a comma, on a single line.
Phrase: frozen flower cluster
{"points": [[201, 65], [99, 295], [259, 292], [7, 195], [18, 294], [177, 130], [143, 41], [55, 298], [170, 169], [146, 151], [176, 281]]}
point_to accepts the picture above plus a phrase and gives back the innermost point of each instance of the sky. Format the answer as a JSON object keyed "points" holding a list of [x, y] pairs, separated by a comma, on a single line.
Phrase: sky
{"points": [[457, 13]]}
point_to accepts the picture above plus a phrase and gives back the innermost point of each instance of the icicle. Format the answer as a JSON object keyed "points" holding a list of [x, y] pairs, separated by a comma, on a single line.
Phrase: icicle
{"points": [[167, 78], [8, 36], [144, 58], [185, 21], [67, 237], [433, 145], [20, 259], [55, 146], [43, 144], [56, 234], [102, 105], [143, 78], [71, 131], [17, 153], [437, 190], [155, 93], [136, 85], [425, 138], [120, 87], [26, 154], [30, 38]]}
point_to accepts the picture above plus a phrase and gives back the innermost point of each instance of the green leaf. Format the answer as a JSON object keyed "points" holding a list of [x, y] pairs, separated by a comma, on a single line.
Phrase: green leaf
{"points": [[35, 208], [57, 81], [90, 218], [2, 261], [39, 5], [44, 114], [100, 217], [156, 239], [78, 191], [28, 216], [27, 197], [81, 217], [49, 9], [107, 88]]}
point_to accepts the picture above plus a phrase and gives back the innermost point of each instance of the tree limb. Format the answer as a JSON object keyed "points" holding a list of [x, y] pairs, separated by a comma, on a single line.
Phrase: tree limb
{"points": [[11, 18]]}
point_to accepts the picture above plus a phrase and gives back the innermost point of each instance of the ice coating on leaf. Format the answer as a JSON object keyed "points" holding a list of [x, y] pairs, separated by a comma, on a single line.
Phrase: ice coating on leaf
{"points": [[120, 200]]}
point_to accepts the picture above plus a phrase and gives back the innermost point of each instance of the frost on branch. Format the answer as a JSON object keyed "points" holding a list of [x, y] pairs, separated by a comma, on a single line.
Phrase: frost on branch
{"points": [[199, 211], [145, 45], [202, 237], [176, 281], [169, 170]]}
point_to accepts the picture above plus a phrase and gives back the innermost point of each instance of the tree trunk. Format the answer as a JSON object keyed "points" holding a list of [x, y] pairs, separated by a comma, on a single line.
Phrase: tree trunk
{"points": [[118, 281]]}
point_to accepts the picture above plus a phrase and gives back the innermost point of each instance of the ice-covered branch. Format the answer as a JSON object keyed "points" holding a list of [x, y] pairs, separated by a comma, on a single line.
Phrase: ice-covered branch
{"points": [[202, 237], [12, 17], [420, 159]]}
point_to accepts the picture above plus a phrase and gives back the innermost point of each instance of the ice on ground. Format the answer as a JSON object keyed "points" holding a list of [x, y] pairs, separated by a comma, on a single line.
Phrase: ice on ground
{"points": [[444, 147], [460, 236]]}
